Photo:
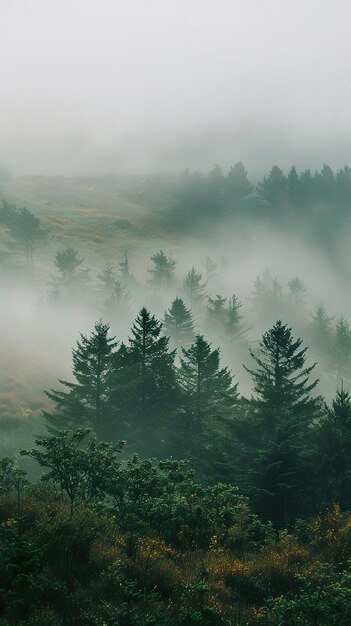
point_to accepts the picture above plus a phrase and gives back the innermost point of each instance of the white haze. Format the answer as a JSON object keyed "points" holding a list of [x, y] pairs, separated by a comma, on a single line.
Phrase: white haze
{"points": [[42, 332], [96, 86]]}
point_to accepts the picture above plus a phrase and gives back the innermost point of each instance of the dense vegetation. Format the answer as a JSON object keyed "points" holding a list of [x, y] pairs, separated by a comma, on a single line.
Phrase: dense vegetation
{"points": [[233, 533], [169, 485]]}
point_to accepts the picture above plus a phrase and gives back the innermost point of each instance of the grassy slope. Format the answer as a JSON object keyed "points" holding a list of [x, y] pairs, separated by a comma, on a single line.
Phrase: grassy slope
{"points": [[99, 216]]}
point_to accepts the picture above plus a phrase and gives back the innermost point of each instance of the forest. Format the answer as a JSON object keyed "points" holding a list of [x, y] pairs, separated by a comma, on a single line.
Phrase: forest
{"points": [[176, 408]]}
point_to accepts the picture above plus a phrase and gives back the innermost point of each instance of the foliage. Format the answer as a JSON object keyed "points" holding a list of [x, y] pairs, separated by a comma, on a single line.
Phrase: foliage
{"points": [[79, 471], [86, 401], [162, 270]]}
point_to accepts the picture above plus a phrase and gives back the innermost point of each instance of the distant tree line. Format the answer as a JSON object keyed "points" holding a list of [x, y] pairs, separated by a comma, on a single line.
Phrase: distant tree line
{"points": [[24, 228], [199, 307], [286, 199]]}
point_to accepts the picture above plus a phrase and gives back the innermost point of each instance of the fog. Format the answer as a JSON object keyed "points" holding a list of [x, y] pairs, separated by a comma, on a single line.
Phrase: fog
{"points": [[109, 86], [39, 331]]}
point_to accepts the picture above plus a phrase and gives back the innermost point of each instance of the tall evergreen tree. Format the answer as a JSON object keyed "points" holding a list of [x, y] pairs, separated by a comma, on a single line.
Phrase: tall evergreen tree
{"points": [[210, 269], [178, 324], [209, 393], [297, 293], [215, 192], [194, 288], [107, 278], [126, 276], [71, 277], [116, 306], [294, 191], [26, 229], [145, 385], [321, 336], [342, 349], [272, 193], [282, 410], [334, 451], [343, 187], [324, 184], [267, 298], [216, 315], [163, 269], [85, 402], [237, 188], [233, 326]]}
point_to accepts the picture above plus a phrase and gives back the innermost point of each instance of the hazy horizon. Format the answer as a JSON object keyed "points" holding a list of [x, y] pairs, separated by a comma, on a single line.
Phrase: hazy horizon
{"points": [[102, 87]]}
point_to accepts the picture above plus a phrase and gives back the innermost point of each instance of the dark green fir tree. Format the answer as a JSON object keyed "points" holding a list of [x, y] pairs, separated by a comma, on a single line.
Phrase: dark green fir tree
{"points": [[85, 402], [178, 324]]}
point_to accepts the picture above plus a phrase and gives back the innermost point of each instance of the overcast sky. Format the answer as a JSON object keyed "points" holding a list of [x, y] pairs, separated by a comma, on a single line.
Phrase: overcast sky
{"points": [[98, 86]]}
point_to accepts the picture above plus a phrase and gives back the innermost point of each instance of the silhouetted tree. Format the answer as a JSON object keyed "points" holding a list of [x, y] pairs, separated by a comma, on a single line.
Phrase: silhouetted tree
{"points": [[321, 335], [272, 192], [215, 192], [178, 323], [233, 326], [107, 278], [342, 349], [209, 393], [85, 402], [267, 298], [334, 451], [210, 268], [68, 263], [343, 187], [194, 289], [282, 410], [216, 314], [126, 276], [26, 229], [116, 306], [237, 188], [146, 401], [163, 269], [297, 293]]}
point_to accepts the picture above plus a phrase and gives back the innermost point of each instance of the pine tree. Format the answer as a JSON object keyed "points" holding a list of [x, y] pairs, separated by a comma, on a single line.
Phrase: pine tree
{"points": [[67, 263], [233, 321], [282, 410], [194, 289], [216, 314], [324, 183], [26, 229], [209, 393], [294, 192], [108, 278], [237, 188], [85, 402], [342, 349], [163, 270], [343, 187], [321, 336], [215, 192], [127, 277], [334, 451], [71, 277], [297, 293], [307, 190], [268, 298], [210, 269], [272, 192], [116, 306], [146, 384], [178, 324]]}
